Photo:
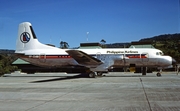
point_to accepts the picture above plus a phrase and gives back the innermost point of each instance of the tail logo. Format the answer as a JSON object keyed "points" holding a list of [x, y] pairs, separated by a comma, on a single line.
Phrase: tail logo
{"points": [[25, 37]]}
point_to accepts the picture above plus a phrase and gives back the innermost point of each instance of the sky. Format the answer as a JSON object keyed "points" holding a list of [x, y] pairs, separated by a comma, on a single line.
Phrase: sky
{"points": [[80, 21]]}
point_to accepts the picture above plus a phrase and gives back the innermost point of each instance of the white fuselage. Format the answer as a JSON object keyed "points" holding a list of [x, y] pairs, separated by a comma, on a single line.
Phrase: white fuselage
{"points": [[122, 57]]}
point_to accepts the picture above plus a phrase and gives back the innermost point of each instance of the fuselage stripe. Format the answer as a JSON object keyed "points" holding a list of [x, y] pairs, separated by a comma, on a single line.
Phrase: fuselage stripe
{"points": [[67, 56]]}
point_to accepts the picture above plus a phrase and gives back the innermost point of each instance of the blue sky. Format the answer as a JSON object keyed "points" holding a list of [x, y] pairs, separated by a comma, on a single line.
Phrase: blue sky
{"points": [[70, 20]]}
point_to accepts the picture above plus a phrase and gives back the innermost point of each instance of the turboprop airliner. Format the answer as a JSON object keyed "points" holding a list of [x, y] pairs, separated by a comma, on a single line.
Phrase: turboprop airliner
{"points": [[96, 60]]}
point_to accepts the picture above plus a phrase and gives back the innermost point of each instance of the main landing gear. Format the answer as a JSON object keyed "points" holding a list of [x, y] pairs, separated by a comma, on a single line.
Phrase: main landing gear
{"points": [[92, 74], [99, 74]]}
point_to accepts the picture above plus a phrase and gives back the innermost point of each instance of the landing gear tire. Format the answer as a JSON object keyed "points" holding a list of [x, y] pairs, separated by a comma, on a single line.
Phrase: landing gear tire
{"points": [[158, 74], [99, 73], [92, 75]]}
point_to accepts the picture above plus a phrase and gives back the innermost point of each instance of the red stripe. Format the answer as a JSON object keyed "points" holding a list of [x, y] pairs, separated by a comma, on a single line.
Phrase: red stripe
{"points": [[131, 56]]}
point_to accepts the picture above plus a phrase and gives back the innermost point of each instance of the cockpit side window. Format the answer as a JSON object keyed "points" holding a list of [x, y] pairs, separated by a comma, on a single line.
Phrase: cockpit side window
{"points": [[159, 53]]}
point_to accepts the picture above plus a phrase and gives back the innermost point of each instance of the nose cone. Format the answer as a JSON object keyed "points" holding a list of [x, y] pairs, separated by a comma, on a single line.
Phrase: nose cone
{"points": [[173, 61]]}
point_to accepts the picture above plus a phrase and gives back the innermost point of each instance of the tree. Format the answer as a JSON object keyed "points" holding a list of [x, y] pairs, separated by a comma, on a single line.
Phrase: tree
{"points": [[64, 45], [103, 43], [5, 64]]}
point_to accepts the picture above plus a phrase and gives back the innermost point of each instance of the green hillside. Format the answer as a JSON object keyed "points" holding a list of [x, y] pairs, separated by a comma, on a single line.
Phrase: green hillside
{"points": [[168, 43]]}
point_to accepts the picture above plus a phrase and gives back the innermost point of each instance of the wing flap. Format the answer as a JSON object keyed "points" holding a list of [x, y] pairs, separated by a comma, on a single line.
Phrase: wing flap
{"points": [[83, 58]]}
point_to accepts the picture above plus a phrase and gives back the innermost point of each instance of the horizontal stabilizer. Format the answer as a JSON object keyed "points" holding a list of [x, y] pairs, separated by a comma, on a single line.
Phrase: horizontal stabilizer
{"points": [[83, 58]]}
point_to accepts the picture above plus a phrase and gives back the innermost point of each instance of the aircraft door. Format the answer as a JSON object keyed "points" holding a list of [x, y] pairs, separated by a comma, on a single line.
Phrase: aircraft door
{"points": [[42, 58], [145, 57]]}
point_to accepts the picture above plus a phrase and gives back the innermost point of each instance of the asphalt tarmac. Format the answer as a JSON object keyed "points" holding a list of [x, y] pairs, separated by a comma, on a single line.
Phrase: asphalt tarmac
{"points": [[112, 92]]}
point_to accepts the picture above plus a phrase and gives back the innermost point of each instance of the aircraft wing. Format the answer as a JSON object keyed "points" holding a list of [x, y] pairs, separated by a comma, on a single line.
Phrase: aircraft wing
{"points": [[83, 58]]}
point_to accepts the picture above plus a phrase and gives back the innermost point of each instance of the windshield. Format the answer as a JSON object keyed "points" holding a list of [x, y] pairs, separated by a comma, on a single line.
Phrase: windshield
{"points": [[159, 53]]}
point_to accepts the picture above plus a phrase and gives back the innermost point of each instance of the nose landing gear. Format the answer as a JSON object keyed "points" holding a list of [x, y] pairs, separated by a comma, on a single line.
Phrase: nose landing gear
{"points": [[158, 74]]}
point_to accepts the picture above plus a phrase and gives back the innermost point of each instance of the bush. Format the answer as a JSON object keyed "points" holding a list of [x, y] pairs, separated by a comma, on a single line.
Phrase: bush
{"points": [[5, 64]]}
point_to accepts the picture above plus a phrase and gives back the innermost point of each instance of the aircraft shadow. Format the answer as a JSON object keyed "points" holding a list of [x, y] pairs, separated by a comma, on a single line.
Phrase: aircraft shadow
{"points": [[129, 76], [31, 76], [58, 79], [81, 76]]}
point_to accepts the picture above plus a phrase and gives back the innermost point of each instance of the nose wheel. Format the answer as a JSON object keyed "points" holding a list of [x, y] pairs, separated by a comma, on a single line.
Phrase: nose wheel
{"points": [[158, 74]]}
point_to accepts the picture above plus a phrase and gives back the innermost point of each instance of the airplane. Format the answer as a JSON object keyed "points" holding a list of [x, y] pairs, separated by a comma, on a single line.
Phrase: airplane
{"points": [[96, 61]]}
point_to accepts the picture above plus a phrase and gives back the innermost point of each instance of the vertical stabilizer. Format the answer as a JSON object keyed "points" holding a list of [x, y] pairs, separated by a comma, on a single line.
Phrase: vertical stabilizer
{"points": [[27, 39]]}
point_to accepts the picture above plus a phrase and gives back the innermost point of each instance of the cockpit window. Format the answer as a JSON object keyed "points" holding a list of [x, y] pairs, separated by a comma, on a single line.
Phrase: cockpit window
{"points": [[159, 53]]}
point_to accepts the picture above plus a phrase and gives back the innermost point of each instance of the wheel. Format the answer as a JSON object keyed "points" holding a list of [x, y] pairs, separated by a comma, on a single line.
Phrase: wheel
{"points": [[158, 74], [99, 73], [92, 75]]}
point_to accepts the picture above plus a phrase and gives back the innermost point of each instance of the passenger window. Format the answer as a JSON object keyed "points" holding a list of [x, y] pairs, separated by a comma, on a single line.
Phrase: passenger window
{"points": [[157, 53]]}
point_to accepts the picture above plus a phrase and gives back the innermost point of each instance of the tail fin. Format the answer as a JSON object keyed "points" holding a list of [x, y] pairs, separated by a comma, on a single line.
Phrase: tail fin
{"points": [[27, 39]]}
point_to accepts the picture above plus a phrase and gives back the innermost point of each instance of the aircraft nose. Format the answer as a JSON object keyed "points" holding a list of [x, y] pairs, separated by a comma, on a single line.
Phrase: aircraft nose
{"points": [[173, 61]]}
